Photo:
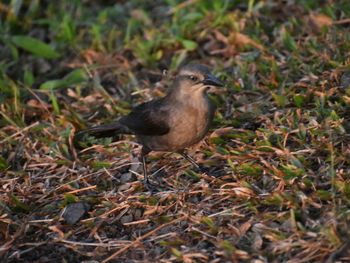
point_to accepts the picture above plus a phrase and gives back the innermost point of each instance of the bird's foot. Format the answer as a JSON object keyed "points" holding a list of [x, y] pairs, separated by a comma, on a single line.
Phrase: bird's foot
{"points": [[204, 170], [151, 187]]}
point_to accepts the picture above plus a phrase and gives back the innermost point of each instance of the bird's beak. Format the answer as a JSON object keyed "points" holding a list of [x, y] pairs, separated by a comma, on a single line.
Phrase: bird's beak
{"points": [[210, 80]]}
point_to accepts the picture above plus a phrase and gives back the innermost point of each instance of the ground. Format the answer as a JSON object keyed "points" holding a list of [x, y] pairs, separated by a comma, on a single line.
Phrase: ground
{"points": [[274, 184]]}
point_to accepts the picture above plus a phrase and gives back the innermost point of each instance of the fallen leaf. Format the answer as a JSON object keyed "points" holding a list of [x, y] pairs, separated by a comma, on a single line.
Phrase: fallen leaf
{"points": [[318, 21], [240, 40]]}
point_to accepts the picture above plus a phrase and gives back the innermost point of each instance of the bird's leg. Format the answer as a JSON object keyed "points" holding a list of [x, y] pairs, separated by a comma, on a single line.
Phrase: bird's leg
{"points": [[144, 152], [146, 181], [190, 159], [144, 168]]}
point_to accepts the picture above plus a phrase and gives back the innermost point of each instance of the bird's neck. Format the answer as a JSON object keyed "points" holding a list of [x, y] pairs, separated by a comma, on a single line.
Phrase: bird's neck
{"points": [[198, 99]]}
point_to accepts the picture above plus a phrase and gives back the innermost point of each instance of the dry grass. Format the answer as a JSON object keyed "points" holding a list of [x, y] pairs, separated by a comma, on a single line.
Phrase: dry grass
{"points": [[277, 158]]}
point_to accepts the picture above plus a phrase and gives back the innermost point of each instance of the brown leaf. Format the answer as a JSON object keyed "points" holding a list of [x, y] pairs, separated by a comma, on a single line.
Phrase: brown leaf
{"points": [[221, 132], [220, 37], [57, 230], [258, 241], [4, 229], [240, 40], [318, 21], [245, 227], [151, 210], [243, 191]]}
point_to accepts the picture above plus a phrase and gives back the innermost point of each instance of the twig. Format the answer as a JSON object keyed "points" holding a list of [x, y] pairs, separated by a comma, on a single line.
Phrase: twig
{"points": [[88, 244], [81, 190], [136, 222], [203, 233], [19, 132], [41, 221], [339, 252], [342, 21], [139, 239], [107, 213], [59, 187]]}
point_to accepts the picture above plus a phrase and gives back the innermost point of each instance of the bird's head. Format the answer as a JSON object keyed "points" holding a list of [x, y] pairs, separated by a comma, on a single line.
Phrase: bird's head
{"points": [[195, 79]]}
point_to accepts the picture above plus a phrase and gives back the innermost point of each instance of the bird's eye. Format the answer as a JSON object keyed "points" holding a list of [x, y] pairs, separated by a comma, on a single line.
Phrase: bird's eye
{"points": [[193, 78]]}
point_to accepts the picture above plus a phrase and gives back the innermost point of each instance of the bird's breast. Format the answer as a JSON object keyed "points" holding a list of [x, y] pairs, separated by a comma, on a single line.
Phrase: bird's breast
{"points": [[189, 122]]}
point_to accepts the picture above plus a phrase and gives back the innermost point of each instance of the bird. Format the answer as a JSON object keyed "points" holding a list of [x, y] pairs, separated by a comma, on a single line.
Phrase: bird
{"points": [[172, 123]]}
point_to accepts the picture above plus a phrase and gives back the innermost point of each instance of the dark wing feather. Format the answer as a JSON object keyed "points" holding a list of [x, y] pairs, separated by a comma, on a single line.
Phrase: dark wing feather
{"points": [[150, 118], [105, 130]]}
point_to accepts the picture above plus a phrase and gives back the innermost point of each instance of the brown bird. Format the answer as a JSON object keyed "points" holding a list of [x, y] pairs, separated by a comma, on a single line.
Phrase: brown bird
{"points": [[172, 123]]}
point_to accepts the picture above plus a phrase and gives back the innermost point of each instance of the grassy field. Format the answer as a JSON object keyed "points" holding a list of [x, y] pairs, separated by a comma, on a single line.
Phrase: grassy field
{"points": [[277, 157]]}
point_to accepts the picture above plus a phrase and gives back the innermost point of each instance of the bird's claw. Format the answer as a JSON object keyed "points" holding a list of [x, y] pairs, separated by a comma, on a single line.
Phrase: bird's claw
{"points": [[152, 188]]}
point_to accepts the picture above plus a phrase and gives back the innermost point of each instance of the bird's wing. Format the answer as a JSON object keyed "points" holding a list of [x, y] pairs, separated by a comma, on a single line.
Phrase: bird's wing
{"points": [[150, 118]]}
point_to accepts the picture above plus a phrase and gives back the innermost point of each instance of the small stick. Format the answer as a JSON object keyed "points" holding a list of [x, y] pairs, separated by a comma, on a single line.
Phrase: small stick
{"points": [[139, 239]]}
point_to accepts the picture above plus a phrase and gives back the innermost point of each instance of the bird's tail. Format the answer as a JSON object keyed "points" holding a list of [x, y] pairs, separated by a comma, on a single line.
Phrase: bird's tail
{"points": [[101, 131]]}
